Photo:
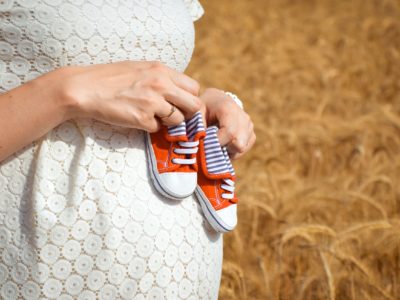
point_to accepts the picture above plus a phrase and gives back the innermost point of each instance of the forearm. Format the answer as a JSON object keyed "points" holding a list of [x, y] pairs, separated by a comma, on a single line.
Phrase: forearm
{"points": [[30, 111]]}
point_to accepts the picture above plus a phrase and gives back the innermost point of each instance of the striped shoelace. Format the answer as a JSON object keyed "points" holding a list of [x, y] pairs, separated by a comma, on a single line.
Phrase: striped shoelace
{"points": [[189, 128], [218, 161]]}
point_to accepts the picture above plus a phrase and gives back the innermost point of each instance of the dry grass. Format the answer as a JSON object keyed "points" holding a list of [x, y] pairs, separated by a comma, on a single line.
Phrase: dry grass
{"points": [[320, 197]]}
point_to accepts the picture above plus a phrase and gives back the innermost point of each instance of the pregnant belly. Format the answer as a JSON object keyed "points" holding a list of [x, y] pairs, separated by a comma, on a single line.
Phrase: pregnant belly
{"points": [[89, 221]]}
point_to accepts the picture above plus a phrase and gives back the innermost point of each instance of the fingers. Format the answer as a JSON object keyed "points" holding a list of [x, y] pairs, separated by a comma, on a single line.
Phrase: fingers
{"points": [[185, 101], [184, 82], [176, 88], [178, 79], [250, 144], [136, 94], [236, 139], [127, 115], [242, 141], [152, 125], [236, 131], [227, 134], [168, 114]]}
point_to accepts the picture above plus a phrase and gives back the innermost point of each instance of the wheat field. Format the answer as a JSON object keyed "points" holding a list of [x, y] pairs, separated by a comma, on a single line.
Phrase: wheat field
{"points": [[319, 210]]}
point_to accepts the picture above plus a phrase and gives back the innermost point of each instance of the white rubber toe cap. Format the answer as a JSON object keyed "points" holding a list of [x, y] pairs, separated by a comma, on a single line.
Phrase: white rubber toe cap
{"points": [[179, 184], [228, 216]]}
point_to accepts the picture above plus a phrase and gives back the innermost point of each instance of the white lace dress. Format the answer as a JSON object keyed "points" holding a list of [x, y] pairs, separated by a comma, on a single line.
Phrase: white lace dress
{"points": [[79, 218]]}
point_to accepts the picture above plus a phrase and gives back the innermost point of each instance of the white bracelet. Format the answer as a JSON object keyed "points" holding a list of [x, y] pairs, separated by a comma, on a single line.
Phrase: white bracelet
{"points": [[235, 98]]}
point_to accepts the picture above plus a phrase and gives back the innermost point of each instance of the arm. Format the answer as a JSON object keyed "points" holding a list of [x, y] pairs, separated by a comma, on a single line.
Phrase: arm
{"points": [[30, 111], [130, 94]]}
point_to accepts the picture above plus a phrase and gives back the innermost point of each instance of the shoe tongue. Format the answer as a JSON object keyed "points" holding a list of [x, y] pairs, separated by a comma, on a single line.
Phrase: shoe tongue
{"points": [[216, 159], [195, 127], [177, 133], [191, 130], [228, 161]]}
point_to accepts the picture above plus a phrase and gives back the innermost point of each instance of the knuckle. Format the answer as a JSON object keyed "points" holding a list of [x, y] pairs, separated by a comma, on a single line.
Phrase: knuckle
{"points": [[231, 134], [152, 128], [241, 146], [158, 84]]}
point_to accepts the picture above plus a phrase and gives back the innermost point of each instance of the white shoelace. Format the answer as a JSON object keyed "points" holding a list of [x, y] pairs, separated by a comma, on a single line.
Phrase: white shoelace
{"points": [[187, 148], [230, 187], [189, 128]]}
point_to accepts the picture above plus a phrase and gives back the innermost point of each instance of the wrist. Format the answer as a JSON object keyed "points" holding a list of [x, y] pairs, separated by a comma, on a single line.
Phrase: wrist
{"points": [[57, 85]]}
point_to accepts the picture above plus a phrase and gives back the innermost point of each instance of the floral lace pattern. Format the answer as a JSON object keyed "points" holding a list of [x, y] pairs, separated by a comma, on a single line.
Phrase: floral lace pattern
{"points": [[79, 218]]}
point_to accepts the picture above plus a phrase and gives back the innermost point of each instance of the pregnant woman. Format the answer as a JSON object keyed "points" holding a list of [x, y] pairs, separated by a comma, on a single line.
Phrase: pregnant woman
{"points": [[80, 82]]}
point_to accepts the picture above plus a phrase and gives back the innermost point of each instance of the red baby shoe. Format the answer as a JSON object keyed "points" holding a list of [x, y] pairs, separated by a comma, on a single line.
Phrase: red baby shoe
{"points": [[216, 183], [172, 158]]}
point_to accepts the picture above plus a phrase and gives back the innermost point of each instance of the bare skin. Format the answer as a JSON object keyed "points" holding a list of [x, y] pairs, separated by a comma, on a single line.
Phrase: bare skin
{"points": [[236, 130], [30, 111], [129, 94]]}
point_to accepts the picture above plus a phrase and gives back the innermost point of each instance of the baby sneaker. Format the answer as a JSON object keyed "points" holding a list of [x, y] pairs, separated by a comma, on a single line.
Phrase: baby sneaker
{"points": [[216, 183], [172, 158]]}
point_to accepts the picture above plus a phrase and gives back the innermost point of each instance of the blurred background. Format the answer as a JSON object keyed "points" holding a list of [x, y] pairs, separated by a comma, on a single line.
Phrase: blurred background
{"points": [[319, 212]]}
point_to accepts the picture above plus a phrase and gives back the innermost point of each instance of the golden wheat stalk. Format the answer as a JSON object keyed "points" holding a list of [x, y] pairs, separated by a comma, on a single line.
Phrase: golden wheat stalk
{"points": [[329, 276]]}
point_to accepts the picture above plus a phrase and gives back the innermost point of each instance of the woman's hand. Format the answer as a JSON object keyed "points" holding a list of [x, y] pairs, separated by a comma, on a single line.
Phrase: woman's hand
{"points": [[236, 130], [130, 94]]}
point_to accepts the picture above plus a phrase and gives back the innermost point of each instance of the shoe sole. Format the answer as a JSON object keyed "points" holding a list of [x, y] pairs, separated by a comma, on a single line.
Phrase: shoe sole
{"points": [[155, 178], [210, 213]]}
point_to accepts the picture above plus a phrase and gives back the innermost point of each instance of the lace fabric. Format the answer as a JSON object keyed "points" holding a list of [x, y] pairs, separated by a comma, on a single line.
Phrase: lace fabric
{"points": [[79, 218]]}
